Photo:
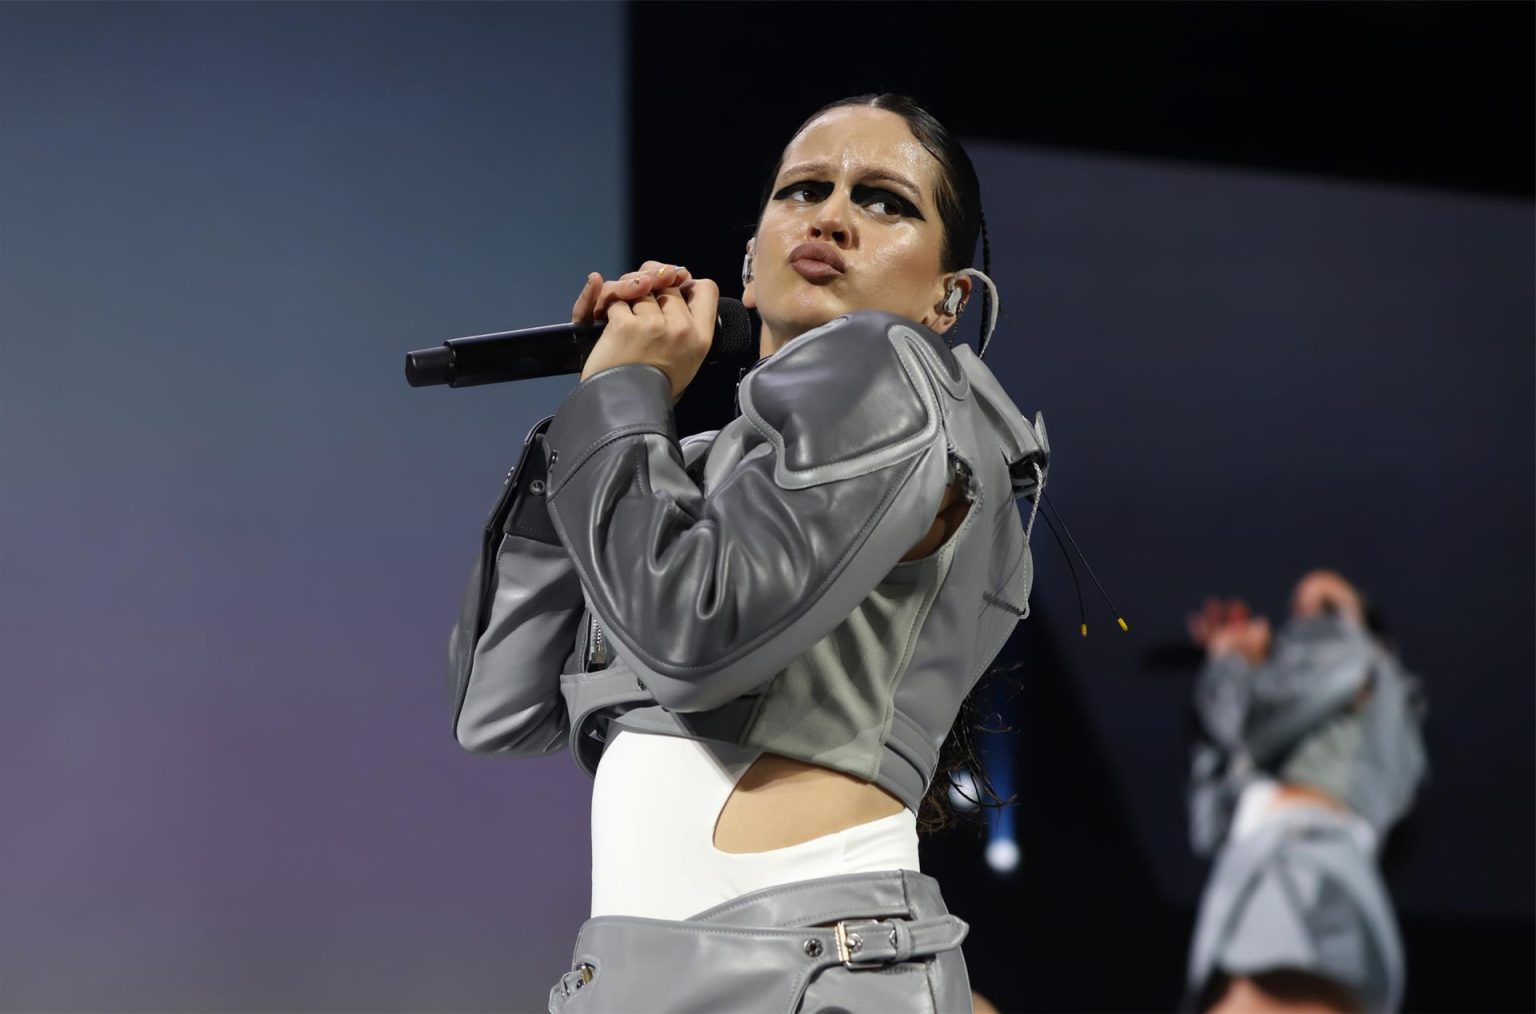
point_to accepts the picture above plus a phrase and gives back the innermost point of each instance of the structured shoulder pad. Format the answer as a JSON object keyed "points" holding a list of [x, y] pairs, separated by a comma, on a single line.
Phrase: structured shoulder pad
{"points": [[1024, 446], [852, 396], [708, 586]]}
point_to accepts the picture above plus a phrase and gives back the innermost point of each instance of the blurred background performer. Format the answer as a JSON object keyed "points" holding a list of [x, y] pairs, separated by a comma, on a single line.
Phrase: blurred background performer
{"points": [[757, 639], [1311, 751]]}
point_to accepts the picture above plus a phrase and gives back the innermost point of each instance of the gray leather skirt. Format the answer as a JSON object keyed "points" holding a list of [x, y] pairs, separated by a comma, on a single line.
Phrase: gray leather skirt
{"points": [[879, 941], [1299, 892]]}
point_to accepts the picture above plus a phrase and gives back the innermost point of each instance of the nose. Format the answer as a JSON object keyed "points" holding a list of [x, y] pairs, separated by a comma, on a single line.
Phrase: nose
{"points": [[832, 222]]}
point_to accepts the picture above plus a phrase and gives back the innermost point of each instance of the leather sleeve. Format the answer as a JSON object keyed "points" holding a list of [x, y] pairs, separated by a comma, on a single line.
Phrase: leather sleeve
{"points": [[1221, 698], [1219, 763], [517, 623], [708, 596]]}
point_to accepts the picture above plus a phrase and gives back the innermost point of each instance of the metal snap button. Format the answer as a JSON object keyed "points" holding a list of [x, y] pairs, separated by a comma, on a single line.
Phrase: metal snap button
{"points": [[536, 487], [813, 948]]}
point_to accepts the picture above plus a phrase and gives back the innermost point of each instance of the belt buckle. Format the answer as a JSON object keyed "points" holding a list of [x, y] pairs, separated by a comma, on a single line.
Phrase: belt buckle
{"points": [[850, 942], [576, 978]]}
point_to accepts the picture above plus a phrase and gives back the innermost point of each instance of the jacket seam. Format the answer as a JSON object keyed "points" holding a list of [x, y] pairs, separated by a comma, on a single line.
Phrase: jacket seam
{"points": [[925, 610], [629, 429], [814, 596]]}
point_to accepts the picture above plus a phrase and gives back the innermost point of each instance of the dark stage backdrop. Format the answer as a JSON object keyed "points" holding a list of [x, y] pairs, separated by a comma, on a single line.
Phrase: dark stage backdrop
{"points": [[1246, 375], [1319, 354], [232, 538]]}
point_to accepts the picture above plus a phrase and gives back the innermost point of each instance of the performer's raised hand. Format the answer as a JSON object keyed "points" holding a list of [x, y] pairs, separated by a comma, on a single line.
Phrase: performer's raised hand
{"points": [[598, 295], [1227, 627], [659, 315]]}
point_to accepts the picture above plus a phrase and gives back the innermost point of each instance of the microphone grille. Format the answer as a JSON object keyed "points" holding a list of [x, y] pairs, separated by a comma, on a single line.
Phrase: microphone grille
{"points": [[733, 333]]}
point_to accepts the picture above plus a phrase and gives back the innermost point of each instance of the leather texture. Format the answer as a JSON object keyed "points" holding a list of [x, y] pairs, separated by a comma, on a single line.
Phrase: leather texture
{"points": [[897, 950], [707, 597], [713, 587], [1296, 717], [519, 613], [744, 574], [1300, 893]]}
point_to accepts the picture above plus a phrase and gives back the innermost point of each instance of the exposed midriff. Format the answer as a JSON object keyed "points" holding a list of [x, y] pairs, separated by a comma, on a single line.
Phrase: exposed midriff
{"points": [[782, 801]]}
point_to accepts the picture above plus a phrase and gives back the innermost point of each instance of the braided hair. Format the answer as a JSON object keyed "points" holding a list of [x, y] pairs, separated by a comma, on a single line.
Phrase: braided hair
{"points": [[986, 269]]}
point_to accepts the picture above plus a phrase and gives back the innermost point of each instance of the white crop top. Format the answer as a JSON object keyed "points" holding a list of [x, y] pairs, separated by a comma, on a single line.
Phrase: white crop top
{"points": [[655, 800]]}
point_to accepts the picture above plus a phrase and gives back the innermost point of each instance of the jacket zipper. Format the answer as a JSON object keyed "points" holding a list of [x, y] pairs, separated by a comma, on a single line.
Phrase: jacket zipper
{"points": [[598, 655]]}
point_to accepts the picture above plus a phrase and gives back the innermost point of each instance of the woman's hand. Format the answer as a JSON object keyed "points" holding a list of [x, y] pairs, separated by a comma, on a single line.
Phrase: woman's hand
{"points": [[1225, 628], [659, 315]]}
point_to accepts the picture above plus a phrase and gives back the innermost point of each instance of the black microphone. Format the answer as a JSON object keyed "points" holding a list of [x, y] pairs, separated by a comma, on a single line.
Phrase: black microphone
{"points": [[553, 349]]}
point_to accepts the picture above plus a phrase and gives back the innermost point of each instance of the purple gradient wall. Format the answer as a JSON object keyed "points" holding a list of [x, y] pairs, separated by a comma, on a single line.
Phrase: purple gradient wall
{"points": [[232, 539]]}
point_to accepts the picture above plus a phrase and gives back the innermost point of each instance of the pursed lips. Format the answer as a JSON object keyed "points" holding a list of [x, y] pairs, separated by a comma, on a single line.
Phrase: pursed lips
{"points": [[816, 262]]}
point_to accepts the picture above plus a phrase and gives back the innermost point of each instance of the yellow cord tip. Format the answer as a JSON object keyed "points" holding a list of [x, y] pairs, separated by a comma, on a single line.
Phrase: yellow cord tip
{"points": [[1123, 625], [1085, 630]]}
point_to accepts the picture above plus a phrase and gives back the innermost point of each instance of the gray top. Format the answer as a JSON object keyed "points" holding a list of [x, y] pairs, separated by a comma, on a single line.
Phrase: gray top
{"points": [[1333, 709], [747, 585], [1330, 708], [1299, 893]]}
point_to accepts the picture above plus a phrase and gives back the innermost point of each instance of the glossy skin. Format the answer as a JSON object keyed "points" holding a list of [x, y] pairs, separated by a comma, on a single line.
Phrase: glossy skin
{"points": [[833, 189], [887, 233], [890, 255], [658, 315]]}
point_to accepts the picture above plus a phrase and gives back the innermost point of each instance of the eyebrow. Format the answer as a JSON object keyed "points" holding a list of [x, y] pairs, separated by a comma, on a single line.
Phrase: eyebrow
{"points": [[819, 168]]}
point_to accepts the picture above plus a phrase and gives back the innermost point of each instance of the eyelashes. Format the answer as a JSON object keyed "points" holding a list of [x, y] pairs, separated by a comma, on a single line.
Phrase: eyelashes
{"points": [[865, 195], [821, 190]]}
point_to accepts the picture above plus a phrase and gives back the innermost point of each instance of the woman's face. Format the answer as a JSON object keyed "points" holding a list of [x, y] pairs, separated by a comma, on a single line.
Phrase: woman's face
{"points": [[857, 188]]}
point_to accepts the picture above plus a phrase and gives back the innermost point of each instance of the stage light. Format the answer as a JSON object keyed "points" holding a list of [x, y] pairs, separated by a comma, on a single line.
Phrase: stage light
{"points": [[963, 785], [1003, 855]]}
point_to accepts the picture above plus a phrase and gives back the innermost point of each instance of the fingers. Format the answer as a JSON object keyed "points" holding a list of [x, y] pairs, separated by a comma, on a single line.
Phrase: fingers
{"points": [[653, 324], [703, 301], [679, 322], [650, 279], [664, 275], [586, 302], [645, 306], [1220, 620]]}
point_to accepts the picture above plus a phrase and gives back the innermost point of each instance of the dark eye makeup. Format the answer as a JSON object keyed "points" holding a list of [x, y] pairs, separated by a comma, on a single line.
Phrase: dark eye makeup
{"points": [[862, 194]]}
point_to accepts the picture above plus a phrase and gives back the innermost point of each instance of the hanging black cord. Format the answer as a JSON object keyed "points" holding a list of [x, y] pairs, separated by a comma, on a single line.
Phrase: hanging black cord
{"points": [[1046, 503]]}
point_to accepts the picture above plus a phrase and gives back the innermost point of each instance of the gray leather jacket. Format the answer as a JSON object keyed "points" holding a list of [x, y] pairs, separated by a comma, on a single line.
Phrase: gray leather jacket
{"points": [[746, 585], [1333, 709], [1299, 716]]}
